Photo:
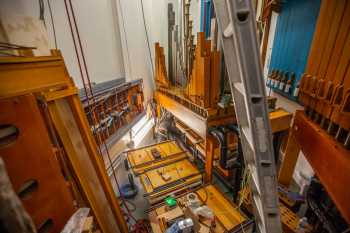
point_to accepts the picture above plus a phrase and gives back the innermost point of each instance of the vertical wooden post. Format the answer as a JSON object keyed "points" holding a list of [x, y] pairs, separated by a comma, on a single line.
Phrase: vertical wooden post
{"points": [[265, 39], [289, 161], [209, 159]]}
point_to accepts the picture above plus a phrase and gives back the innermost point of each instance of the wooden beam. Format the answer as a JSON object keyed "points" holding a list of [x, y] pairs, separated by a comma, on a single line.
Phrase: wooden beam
{"points": [[49, 96], [209, 159], [96, 158], [45, 73], [78, 154], [190, 118], [291, 154]]}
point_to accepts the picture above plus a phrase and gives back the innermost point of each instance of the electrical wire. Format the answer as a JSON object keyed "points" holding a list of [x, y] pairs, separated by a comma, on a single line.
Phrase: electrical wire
{"points": [[149, 47], [76, 51], [42, 11], [126, 41], [129, 212], [52, 23], [139, 226]]}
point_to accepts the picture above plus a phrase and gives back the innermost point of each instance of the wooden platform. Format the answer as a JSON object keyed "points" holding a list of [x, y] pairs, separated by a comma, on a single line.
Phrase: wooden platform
{"points": [[170, 179], [228, 218], [142, 160]]}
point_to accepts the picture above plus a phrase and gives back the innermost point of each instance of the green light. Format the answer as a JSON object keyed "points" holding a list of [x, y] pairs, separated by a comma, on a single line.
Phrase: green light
{"points": [[170, 201]]}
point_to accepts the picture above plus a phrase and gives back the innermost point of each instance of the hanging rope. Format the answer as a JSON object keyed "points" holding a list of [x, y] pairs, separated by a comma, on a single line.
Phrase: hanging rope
{"points": [[89, 93], [148, 45], [52, 23]]}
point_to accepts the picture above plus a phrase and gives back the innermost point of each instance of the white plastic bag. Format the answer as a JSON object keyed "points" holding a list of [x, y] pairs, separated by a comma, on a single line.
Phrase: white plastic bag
{"points": [[76, 222]]}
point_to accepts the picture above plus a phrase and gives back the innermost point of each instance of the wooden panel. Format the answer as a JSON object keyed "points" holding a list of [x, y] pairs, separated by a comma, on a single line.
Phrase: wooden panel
{"points": [[338, 79], [184, 114], [214, 78], [227, 214], [142, 160], [329, 57], [159, 163], [176, 171], [140, 157], [333, 32], [210, 145], [322, 17], [320, 42], [31, 158], [290, 158], [144, 155], [339, 44], [97, 162], [83, 166], [45, 72], [339, 102], [329, 159], [47, 75], [198, 87], [337, 49], [160, 70], [280, 120]]}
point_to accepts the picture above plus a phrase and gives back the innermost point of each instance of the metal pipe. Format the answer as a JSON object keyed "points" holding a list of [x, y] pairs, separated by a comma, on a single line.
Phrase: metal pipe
{"points": [[330, 127], [221, 137], [338, 134], [347, 141]]}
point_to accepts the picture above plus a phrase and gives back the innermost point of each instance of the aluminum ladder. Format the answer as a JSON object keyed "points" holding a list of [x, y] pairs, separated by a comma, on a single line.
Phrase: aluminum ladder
{"points": [[237, 34]]}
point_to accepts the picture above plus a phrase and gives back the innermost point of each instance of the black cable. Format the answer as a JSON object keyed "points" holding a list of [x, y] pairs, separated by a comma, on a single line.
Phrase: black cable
{"points": [[149, 48], [126, 39], [42, 11], [52, 22]]}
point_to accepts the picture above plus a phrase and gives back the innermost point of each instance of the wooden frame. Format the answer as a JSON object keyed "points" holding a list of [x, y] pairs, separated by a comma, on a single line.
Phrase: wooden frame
{"points": [[48, 79], [329, 159], [280, 121]]}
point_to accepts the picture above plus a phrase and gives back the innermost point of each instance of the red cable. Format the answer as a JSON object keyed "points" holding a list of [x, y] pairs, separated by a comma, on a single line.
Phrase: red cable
{"points": [[92, 95], [75, 47], [81, 48], [79, 63]]}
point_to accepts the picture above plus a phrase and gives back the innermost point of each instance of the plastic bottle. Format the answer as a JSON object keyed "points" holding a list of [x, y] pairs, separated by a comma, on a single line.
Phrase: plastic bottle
{"points": [[283, 81], [290, 83], [269, 78], [296, 90], [278, 79]]}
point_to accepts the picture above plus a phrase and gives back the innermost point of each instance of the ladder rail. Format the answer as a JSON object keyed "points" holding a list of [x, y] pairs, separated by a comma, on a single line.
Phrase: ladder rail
{"points": [[236, 22]]}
